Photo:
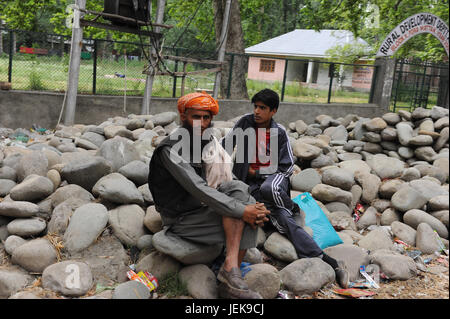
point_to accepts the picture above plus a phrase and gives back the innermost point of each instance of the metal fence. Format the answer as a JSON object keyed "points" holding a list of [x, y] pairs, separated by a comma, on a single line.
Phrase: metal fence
{"points": [[307, 80], [39, 61], [419, 84]]}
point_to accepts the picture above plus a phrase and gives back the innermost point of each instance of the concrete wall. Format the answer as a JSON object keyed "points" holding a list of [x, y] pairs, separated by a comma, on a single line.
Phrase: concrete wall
{"points": [[23, 108]]}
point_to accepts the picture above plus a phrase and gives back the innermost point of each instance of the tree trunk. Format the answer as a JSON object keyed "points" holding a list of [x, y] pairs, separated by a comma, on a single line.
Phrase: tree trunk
{"points": [[235, 44]]}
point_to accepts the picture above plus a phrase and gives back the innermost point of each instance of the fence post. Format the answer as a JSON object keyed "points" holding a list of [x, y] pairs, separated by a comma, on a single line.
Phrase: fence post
{"points": [[174, 89], [372, 85], [399, 78], [11, 52], [284, 80], [331, 75], [183, 78], [421, 99], [94, 69], [61, 46], [230, 73]]}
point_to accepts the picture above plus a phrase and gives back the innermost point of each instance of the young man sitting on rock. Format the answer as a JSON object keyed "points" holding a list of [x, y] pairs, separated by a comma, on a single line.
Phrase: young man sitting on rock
{"points": [[264, 161], [194, 211]]}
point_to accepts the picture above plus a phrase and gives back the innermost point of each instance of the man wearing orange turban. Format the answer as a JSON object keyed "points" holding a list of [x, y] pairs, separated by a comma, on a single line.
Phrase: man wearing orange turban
{"points": [[198, 101], [197, 109], [192, 210]]}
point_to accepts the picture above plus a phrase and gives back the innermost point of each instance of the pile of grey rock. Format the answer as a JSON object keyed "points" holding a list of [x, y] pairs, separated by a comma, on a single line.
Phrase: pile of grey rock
{"points": [[75, 203]]}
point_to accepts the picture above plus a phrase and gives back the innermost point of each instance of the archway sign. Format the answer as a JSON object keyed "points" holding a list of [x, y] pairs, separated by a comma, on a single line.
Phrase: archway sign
{"points": [[412, 26]]}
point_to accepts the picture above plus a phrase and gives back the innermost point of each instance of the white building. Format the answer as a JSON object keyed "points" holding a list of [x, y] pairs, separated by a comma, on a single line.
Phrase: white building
{"points": [[308, 47]]}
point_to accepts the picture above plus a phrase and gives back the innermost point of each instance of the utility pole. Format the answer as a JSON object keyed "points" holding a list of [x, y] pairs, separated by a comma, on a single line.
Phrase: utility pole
{"points": [[74, 63], [222, 46], [145, 109]]}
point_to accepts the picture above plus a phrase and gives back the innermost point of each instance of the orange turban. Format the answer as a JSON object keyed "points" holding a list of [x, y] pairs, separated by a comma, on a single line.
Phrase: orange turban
{"points": [[198, 101]]}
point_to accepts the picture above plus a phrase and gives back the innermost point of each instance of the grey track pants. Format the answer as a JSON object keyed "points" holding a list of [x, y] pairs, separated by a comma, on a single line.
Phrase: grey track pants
{"points": [[273, 192], [204, 225]]}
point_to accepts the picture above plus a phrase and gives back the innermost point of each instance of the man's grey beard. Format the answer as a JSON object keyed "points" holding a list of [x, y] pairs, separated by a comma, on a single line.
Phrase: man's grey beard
{"points": [[196, 141]]}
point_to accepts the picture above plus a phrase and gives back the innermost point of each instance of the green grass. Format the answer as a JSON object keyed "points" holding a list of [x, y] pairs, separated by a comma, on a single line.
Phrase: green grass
{"points": [[405, 98], [296, 92], [49, 73], [171, 285]]}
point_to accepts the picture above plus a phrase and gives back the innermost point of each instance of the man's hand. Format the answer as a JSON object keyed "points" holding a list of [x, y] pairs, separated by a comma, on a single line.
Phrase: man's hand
{"points": [[255, 214]]}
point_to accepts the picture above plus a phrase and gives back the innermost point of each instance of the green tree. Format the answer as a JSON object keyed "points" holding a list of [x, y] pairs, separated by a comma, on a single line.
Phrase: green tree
{"points": [[349, 52], [193, 23], [353, 15], [260, 20], [59, 19], [30, 15]]}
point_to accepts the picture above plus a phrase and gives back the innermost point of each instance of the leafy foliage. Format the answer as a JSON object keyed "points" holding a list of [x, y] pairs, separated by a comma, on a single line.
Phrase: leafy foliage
{"points": [[348, 52], [353, 15], [261, 20], [28, 14]]}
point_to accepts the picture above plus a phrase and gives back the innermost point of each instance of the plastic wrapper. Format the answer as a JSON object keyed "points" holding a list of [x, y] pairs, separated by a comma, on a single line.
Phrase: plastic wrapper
{"points": [[353, 292], [145, 278]]}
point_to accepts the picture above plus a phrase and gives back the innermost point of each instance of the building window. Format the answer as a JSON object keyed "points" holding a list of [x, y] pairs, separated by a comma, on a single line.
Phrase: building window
{"points": [[267, 66]]}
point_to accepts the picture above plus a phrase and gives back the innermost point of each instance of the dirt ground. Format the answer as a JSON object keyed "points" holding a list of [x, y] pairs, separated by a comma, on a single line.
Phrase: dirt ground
{"points": [[430, 284], [426, 285]]}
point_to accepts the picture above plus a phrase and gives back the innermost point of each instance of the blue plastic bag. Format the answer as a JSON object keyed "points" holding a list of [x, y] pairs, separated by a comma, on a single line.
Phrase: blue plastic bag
{"points": [[323, 232], [245, 268]]}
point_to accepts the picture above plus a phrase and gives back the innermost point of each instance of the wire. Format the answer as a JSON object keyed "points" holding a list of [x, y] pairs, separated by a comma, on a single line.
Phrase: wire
{"points": [[125, 82], [139, 34], [199, 47], [157, 48], [188, 24], [226, 33], [65, 93], [159, 63], [62, 109]]}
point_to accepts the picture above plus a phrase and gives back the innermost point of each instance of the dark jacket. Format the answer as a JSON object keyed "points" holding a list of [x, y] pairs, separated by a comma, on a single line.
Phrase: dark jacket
{"points": [[282, 164], [179, 187], [169, 196]]}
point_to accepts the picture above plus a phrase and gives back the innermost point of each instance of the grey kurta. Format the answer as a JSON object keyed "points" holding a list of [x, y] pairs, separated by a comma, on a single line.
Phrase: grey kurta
{"points": [[204, 225]]}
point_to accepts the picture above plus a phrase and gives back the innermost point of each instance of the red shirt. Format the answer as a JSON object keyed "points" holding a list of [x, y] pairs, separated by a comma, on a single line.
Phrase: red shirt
{"points": [[262, 147]]}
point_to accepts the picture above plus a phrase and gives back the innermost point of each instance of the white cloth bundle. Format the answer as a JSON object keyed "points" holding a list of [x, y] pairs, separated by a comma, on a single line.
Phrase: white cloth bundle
{"points": [[217, 163]]}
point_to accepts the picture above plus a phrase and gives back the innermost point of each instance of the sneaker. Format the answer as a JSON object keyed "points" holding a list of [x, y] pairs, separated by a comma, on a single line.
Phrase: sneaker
{"points": [[342, 277], [232, 278], [295, 209]]}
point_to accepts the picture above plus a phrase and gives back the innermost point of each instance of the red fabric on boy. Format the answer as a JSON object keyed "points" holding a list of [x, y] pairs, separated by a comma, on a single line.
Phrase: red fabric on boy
{"points": [[262, 147]]}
